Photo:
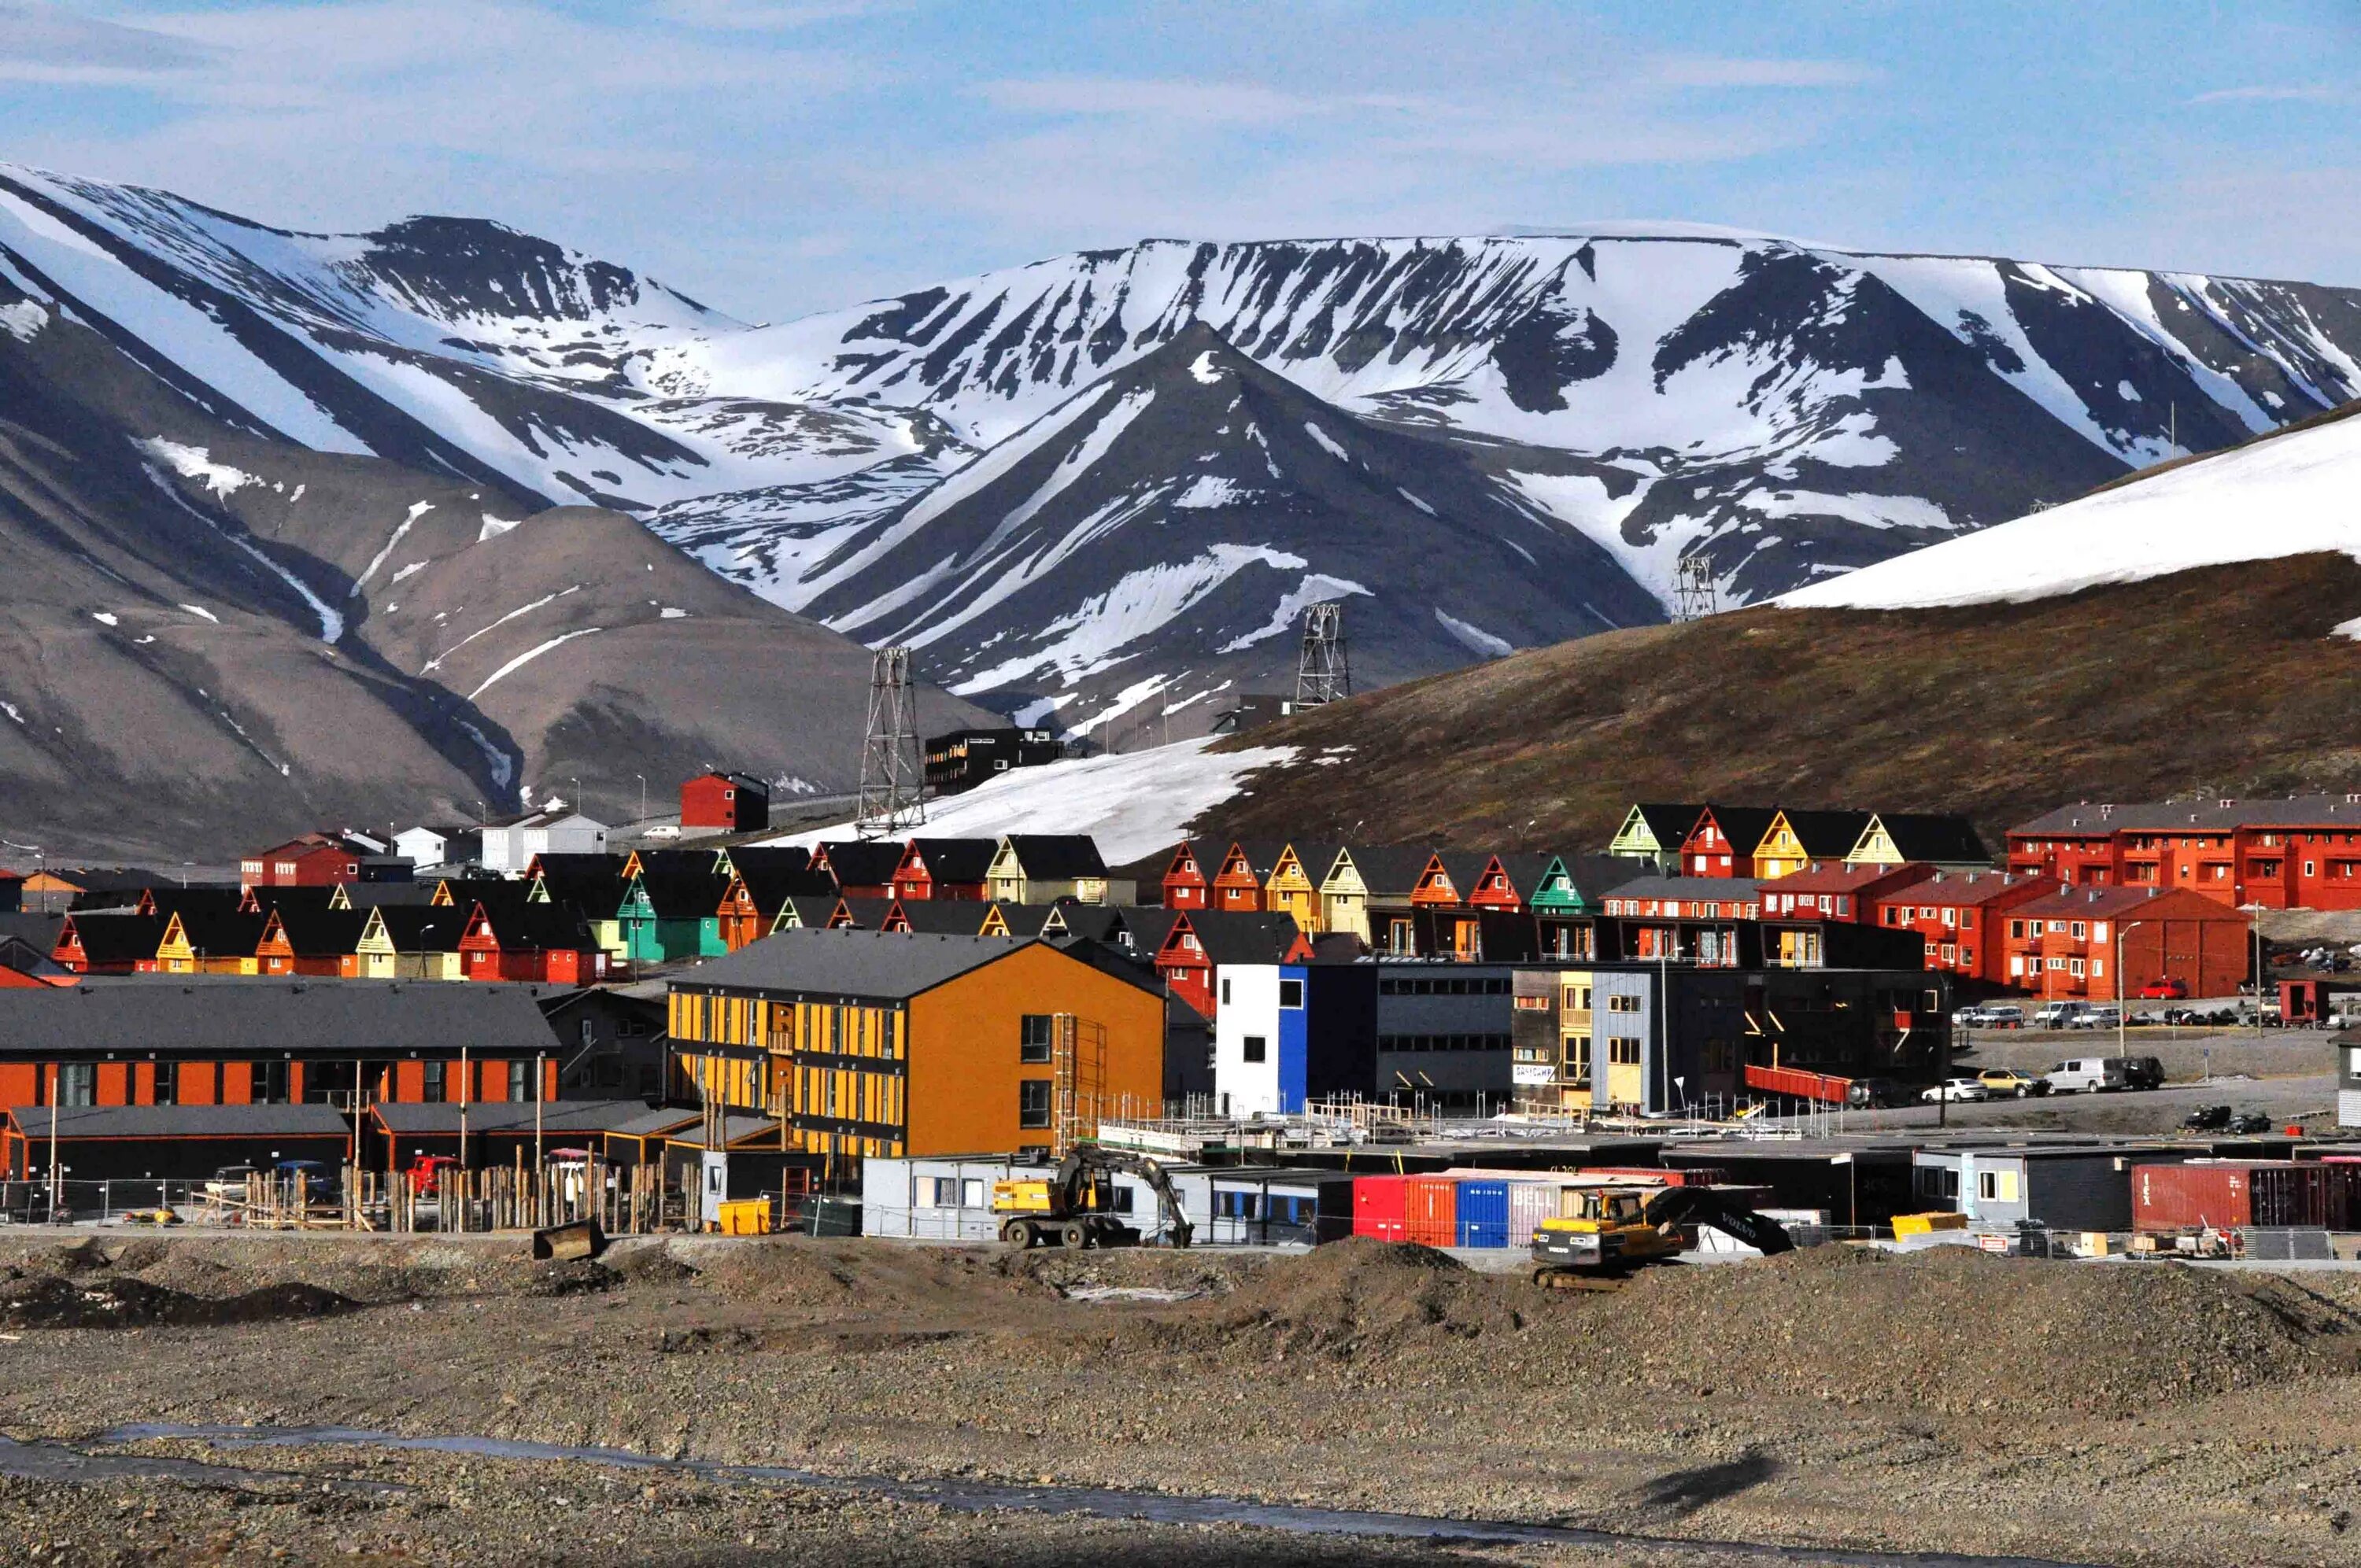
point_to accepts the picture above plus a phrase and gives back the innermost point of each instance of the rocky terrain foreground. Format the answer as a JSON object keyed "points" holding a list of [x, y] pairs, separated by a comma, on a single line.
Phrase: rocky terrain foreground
{"points": [[942, 1404]]}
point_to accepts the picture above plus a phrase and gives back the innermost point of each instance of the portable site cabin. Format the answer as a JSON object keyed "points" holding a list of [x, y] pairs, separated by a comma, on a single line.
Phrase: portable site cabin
{"points": [[1254, 1206], [2070, 1188], [945, 1197]]}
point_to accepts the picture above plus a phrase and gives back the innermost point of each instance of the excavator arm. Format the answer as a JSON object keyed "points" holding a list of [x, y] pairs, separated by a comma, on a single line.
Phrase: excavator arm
{"points": [[1087, 1160], [1703, 1206]]}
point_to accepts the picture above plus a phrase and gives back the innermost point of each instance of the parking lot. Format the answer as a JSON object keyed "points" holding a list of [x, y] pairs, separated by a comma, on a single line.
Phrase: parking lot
{"points": [[2307, 1101]]}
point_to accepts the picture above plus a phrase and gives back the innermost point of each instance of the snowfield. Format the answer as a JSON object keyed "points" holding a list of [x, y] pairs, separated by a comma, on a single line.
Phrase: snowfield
{"points": [[2290, 495], [1134, 804]]}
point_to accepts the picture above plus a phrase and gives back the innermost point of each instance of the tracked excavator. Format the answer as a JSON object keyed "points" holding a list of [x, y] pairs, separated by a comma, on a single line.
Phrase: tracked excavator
{"points": [[1605, 1232], [1075, 1208]]}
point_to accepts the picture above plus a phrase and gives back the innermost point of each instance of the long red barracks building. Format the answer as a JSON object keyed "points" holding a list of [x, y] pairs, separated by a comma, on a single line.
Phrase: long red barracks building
{"points": [[2301, 852]]}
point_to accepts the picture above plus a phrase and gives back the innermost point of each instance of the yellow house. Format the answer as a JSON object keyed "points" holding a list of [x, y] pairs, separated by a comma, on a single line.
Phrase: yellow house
{"points": [[1946, 842], [210, 941], [1359, 875], [1296, 883], [409, 941], [1799, 838]]}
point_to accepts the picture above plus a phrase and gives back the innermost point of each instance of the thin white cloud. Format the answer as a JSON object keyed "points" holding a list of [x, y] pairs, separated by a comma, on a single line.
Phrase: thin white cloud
{"points": [[2271, 95], [1714, 71], [768, 16], [48, 44]]}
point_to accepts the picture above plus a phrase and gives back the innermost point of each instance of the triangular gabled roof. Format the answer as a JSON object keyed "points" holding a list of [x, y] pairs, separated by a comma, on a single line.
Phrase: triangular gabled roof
{"points": [[682, 890], [108, 936], [1939, 837], [944, 917], [1389, 871], [312, 932], [1313, 858], [953, 860], [1666, 822], [1056, 856], [861, 862], [1825, 835], [1241, 937], [1524, 870], [223, 933], [1745, 827]]}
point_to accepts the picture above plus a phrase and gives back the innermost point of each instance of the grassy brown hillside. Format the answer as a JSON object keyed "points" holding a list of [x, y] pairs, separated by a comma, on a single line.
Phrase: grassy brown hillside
{"points": [[2226, 680]]}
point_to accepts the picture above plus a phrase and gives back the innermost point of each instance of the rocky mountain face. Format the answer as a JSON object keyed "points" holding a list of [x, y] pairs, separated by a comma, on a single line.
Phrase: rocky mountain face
{"points": [[215, 631], [1016, 473]]}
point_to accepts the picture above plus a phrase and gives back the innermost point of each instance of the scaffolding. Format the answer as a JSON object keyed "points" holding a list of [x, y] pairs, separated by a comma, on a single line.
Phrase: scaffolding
{"points": [[1695, 593], [1078, 1092], [892, 774], [1324, 671]]}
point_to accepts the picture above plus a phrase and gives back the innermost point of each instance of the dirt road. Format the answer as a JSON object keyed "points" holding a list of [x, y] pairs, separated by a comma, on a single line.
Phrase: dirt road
{"points": [[1947, 1403]]}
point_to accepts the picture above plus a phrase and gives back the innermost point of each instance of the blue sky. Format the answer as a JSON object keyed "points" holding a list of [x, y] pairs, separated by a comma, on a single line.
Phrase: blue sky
{"points": [[776, 157]]}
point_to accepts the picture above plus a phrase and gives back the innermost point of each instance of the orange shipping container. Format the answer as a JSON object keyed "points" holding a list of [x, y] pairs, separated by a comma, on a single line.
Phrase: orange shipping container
{"points": [[1431, 1210]]}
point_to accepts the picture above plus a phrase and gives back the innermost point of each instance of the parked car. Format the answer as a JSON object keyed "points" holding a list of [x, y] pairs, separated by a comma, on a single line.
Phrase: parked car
{"points": [[2206, 1119], [319, 1181], [426, 1172], [1869, 1093], [2007, 1080], [2001, 1015], [2165, 991], [228, 1184], [2058, 1014], [2093, 1075], [1956, 1089], [2249, 1122], [2106, 1015]]}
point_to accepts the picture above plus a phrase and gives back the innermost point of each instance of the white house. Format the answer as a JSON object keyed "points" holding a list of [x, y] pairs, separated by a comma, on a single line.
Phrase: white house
{"points": [[511, 846], [444, 846], [1259, 1040]]}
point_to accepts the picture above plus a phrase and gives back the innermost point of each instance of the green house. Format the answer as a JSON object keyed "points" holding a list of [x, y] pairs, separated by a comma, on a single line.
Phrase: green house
{"points": [[672, 910], [1653, 832]]}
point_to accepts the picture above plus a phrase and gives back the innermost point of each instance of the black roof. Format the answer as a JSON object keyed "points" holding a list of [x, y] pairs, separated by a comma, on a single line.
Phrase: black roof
{"points": [[252, 1016], [319, 932], [1466, 868], [184, 1121], [34, 929], [22, 956], [815, 910], [1057, 856], [861, 862], [887, 964], [379, 894], [1389, 870], [1745, 826], [1827, 835], [1023, 919], [1670, 821], [540, 927], [1525, 868], [1242, 937], [772, 884], [1150, 924], [1592, 875], [225, 932], [949, 918], [110, 879], [1932, 836], [1099, 921], [417, 929], [111, 937], [170, 897], [769, 858], [957, 859], [556, 1116], [681, 889]]}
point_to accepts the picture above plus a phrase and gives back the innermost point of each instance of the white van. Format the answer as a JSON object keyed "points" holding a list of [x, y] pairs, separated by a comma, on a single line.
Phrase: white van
{"points": [[2095, 1075], [2059, 1015]]}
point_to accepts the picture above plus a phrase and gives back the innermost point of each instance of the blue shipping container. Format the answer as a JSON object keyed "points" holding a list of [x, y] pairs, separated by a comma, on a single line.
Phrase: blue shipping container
{"points": [[1484, 1213]]}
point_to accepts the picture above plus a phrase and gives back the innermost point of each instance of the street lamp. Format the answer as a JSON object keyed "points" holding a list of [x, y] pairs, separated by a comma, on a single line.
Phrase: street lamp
{"points": [[643, 795], [2123, 928]]}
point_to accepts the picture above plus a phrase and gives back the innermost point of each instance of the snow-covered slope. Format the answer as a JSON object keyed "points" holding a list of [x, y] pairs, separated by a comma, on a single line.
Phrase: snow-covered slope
{"points": [[1134, 804], [2289, 494]]}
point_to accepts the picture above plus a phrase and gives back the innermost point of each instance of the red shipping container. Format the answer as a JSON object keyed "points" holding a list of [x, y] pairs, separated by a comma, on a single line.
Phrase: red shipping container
{"points": [[1378, 1207], [1431, 1210], [1670, 1175], [1796, 1081], [2229, 1195]]}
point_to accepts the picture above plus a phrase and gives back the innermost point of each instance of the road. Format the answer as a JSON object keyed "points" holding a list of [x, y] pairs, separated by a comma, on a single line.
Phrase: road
{"points": [[2309, 1100]]}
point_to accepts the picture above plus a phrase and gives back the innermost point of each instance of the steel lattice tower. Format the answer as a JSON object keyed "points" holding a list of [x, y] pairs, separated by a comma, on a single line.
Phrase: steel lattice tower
{"points": [[1695, 595], [1324, 672], [892, 774]]}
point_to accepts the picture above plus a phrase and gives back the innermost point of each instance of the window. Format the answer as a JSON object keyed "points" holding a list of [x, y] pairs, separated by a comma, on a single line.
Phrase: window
{"points": [[1232, 1204], [1226, 990], [1253, 1048], [1291, 994], [2308, 868], [1577, 1055], [432, 1092], [2079, 930], [1623, 1050], [2016, 928], [1033, 1103], [1622, 1002], [2075, 966], [271, 1082], [2058, 928], [2098, 968], [940, 1192], [1950, 952], [1951, 918], [2098, 930], [520, 1080], [77, 1083], [1033, 1033]]}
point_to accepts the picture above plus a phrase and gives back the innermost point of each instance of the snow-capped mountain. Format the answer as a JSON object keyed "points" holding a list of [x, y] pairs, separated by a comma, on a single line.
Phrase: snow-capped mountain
{"points": [[2290, 493], [1790, 412], [1157, 536]]}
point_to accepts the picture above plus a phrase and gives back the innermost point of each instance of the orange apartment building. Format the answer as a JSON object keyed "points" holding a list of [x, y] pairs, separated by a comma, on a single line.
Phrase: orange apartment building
{"points": [[2064, 943], [2301, 852]]}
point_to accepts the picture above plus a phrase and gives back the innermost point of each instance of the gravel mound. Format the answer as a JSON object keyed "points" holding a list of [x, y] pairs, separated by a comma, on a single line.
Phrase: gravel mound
{"points": [[1356, 1299], [1956, 1329], [49, 1301], [830, 1279]]}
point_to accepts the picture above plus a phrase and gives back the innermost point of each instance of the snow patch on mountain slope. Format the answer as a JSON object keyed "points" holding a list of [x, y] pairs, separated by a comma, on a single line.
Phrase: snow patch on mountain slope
{"points": [[2287, 495], [22, 320], [1480, 642], [527, 657], [1315, 589], [331, 620], [1133, 804], [417, 511], [1870, 512], [196, 463]]}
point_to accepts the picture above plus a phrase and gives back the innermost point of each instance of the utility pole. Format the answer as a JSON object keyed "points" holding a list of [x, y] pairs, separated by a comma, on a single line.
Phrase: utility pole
{"points": [[643, 796], [892, 774], [1323, 669], [462, 1112], [2123, 929]]}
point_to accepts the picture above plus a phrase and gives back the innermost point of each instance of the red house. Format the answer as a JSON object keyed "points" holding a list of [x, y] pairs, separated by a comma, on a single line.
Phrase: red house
{"points": [[1838, 892], [2063, 944], [861, 868], [944, 870], [1201, 942], [1238, 886], [1722, 840], [509, 939], [1185, 886], [733, 803], [307, 939], [108, 942], [322, 860]]}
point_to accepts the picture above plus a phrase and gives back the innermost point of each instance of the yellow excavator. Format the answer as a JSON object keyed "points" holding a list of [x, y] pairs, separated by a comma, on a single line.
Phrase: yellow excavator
{"points": [[1602, 1233], [1075, 1208]]}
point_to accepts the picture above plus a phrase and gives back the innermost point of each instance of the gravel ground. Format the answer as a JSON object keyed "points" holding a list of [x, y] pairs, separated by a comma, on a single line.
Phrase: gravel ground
{"points": [[1945, 1401]]}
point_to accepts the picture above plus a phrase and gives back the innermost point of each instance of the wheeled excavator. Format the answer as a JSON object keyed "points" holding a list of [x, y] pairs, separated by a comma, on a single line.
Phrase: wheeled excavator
{"points": [[1075, 1208], [1607, 1232]]}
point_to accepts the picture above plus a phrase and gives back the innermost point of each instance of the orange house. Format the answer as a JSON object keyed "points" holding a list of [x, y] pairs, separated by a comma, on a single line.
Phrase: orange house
{"points": [[1237, 887], [877, 1042], [1185, 886]]}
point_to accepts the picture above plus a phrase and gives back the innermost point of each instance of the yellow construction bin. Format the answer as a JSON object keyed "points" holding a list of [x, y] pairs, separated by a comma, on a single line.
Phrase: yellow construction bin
{"points": [[1926, 1224], [744, 1217]]}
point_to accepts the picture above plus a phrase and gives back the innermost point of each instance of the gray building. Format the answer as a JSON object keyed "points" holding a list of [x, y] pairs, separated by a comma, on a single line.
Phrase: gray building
{"points": [[1443, 1034], [2081, 1188]]}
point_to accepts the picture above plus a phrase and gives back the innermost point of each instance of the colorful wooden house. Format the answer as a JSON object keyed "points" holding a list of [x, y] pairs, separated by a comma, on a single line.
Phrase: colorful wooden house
{"points": [[1947, 843], [1042, 868], [198, 941], [937, 917], [108, 941], [945, 868], [730, 803], [1568, 898], [1238, 886], [669, 911], [1370, 875], [299, 939], [409, 942], [1722, 840], [1201, 940], [1654, 831], [1186, 885], [863, 868], [1797, 838], [1292, 886]]}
